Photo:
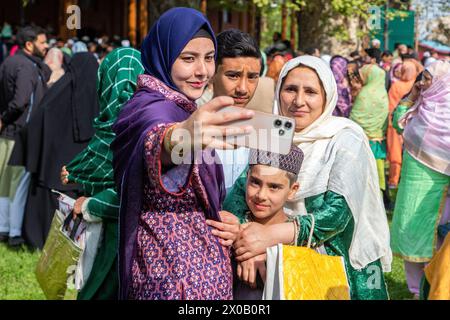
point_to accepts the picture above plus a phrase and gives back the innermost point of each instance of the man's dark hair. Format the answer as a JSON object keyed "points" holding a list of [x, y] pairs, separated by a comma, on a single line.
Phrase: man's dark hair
{"points": [[234, 43], [277, 34], [374, 53], [310, 51], [354, 54], [28, 33], [386, 53], [407, 56]]}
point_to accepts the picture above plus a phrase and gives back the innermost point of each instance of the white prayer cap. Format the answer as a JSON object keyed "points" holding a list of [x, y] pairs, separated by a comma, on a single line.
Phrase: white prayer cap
{"points": [[376, 43]]}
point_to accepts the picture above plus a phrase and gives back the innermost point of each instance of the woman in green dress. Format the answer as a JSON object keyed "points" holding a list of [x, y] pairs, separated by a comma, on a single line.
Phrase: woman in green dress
{"points": [[422, 192], [92, 168], [370, 110], [338, 184]]}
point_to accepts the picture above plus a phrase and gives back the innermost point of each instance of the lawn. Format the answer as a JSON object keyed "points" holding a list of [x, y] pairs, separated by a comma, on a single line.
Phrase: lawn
{"points": [[17, 280]]}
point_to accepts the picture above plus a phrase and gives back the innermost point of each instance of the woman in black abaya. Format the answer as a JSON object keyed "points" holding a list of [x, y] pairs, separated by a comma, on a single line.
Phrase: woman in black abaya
{"points": [[60, 129]]}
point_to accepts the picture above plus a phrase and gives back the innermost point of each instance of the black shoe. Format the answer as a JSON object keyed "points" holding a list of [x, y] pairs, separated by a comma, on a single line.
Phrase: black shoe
{"points": [[16, 242], [4, 236]]}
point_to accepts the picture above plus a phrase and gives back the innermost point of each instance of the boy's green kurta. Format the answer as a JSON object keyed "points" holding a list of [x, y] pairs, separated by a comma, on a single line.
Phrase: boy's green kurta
{"points": [[333, 229], [92, 168]]}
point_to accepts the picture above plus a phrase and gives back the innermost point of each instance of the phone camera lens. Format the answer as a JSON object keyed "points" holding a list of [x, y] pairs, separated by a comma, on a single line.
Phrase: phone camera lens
{"points": [[281, 132], [278, 123], [288, 125]]}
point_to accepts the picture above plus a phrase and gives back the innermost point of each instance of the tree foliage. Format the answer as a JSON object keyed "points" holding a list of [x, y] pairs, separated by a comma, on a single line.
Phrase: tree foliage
{"points": [[317, 20]]}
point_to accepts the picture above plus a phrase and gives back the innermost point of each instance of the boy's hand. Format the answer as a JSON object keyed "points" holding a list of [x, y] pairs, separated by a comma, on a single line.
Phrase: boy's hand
{"points": [[253, 240], [77, 207], [247, 270], [227, 230]]}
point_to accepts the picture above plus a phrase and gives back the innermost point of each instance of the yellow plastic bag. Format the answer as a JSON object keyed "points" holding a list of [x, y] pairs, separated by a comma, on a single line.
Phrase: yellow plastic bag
{"points": [[301, 273]]}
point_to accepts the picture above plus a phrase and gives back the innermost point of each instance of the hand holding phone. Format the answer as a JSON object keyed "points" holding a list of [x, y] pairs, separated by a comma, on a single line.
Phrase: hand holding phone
{"points": [[270, 132]]}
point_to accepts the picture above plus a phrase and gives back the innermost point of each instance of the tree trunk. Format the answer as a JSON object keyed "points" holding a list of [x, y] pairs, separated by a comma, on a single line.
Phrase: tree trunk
{"points": [[284, 14], [293, 29], [309, 25]]}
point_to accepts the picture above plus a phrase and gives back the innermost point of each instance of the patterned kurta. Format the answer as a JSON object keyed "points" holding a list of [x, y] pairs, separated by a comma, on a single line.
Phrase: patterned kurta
{"points": [[177, 255]]}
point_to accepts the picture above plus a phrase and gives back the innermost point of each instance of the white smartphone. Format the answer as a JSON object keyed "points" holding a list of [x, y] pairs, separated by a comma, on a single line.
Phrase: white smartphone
{"points": [[273, 133]]}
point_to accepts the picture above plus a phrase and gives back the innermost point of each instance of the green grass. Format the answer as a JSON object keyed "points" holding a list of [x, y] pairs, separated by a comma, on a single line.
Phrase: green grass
{"points": [[396, 281], [17, 280]]}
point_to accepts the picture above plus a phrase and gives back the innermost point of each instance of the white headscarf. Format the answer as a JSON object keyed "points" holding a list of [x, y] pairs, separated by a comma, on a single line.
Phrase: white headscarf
{"points": [[78, 47], [338, 158], [429, 61]]}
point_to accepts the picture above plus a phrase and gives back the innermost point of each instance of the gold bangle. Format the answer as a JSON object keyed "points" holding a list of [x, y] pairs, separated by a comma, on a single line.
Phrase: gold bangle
{"points": [[295, 232], [168, 145], [168, 139], [407, 102]]}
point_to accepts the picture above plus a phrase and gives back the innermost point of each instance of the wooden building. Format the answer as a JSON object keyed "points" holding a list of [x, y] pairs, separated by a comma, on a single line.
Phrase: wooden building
{"points": [[126, 18]]}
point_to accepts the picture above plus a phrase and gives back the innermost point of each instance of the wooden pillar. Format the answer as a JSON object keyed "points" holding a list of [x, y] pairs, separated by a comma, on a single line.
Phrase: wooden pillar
{"points": [[132, 22], [204, 7], [143, 19], [252, 19], [241, 20], [64, 32], [125, 18], [258, 26], [293, 29], [284, 14]]}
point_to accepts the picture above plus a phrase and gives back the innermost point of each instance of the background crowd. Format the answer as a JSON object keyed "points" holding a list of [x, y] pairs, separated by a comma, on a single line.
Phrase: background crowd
{"points": [[59, 100]]}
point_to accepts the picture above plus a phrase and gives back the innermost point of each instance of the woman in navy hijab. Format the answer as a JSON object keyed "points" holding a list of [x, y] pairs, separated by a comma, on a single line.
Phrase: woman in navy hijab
{"points": [[166, 249]]}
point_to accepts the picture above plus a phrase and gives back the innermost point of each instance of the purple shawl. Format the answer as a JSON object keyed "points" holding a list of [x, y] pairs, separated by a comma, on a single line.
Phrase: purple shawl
{"points": [[149, 107], [338, 65]]}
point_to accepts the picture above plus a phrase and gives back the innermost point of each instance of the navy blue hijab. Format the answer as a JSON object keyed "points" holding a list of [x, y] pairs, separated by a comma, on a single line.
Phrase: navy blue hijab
{"points": [[168, 37], [147, 109]]}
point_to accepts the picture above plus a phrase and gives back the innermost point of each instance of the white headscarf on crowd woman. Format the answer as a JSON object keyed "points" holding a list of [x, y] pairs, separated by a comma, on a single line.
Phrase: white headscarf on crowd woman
{"points": [[429, 61], [427, 132], [338, 158], [79, 46]]}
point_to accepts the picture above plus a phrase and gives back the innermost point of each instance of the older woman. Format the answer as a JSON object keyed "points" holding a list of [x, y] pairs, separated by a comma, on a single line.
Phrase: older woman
{"points": [[425, 172], [166, 250], [338, 184]]}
